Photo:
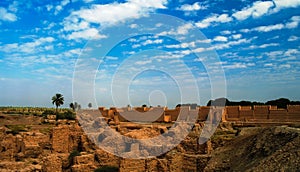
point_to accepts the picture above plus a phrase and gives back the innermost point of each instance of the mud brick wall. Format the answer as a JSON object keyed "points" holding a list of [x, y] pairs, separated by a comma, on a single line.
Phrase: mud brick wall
{"points": [[106, 159], [293, 108], [261, 112], [152, 165], [246, 114], [52, 163], [84, 159], [60, 139], [173, 113], [232, 112], [203, 112], [194, 163], [132, 165], [245, 107], [156, 165], [104, 112], [189, 163], [202, 161], [293, 112], [174, 161], [279, 114]]}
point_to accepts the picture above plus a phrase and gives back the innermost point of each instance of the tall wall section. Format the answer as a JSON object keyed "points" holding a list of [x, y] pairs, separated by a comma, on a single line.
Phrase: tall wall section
{"points": [[229, 113]]}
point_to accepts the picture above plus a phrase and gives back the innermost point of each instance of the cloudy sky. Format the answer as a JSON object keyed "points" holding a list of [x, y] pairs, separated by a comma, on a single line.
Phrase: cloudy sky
{"points": [[249, 48]]}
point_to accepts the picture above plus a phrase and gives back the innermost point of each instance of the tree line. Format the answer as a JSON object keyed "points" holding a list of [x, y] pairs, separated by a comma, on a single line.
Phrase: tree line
{"points": [[280, 103]]}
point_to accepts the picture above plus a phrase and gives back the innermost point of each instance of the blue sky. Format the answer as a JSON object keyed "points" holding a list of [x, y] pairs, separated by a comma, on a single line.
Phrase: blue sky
{"points": [[254, 44]]}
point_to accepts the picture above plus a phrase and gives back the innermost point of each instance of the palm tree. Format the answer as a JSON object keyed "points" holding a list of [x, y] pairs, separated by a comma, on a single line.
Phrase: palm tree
{"points": [[58, 100], [72, 106], [90, 105]]}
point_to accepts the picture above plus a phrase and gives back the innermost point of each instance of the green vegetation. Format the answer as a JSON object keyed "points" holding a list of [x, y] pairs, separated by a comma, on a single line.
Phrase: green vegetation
{"points": [[75, 106], [36, 111], [16, 129], [73, 154], [107, 169], [66, 115], [48, 112]]}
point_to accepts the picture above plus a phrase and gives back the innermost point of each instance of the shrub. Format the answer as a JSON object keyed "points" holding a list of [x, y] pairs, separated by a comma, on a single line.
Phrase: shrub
{"points": [[73, 154], [48, 112], [16, 129], [66, 115]]}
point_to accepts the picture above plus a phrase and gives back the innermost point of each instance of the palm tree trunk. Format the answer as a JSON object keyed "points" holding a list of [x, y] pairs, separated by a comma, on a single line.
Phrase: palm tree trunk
{"points": [[56, 113]]}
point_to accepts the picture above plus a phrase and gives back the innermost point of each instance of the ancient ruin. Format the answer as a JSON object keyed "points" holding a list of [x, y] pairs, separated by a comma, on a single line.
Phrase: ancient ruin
{"points": [[65, 145]]}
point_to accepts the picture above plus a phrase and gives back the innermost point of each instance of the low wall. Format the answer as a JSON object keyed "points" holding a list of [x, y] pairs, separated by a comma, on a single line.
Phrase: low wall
{"points": [[229, 113]]}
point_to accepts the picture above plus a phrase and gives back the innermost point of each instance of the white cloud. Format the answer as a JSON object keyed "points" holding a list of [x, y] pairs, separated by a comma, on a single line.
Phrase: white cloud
{"points": [[269, 28], [143, 62], [14, 6], [72, 52], [263, 46], [157, 41], [182, 45], [223, 18], [293, 38], [221, 45], [91, 33], [235, 66], [118, 12], [181, 30], [269, 45], [184, 29], [7, 16], [294, 22], [229, 44], [268, 65], [291, 52], [221, 39], [199, 59], [226, 32], [260, 8], [237, 36], [257, 9], [133, 26], [71, 26], [49, 7], [285, 66], [111, 58], [60, 7], [281, 4], [28, 47], [193, 7]]}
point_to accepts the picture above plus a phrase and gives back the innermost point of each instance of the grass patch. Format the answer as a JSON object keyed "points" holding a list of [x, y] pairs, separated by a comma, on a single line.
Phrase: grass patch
{"points": [[46, 130], [16, 129]]}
